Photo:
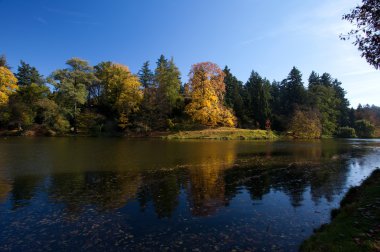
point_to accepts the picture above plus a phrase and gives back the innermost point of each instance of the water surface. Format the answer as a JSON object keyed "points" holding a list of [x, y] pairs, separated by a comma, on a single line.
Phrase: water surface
{"points": [[101, 194]]}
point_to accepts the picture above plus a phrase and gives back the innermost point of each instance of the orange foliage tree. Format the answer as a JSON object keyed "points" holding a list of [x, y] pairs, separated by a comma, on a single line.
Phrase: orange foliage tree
{"points": [[8, 85], [207, 89]]}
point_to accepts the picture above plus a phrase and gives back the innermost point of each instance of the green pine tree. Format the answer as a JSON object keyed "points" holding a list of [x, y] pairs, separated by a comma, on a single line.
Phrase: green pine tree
{"points": [[26, 75]]}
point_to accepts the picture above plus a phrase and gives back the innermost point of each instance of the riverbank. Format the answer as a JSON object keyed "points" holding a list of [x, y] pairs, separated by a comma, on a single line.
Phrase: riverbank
{"points": [[224, 134], [355, 225]]}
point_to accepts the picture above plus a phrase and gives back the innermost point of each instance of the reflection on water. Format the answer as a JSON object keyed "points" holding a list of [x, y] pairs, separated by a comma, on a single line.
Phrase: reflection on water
{"points": [[65, 194]]}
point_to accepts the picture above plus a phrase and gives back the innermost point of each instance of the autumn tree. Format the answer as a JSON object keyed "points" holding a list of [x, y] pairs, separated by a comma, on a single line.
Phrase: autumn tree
{"points": [[207, 89], [305, 124], [121, 90], [369, 113], [71, 86], [366, 18], [8, 85]]}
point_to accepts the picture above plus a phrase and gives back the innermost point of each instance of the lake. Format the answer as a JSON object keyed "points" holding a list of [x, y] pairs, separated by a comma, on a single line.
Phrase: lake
{"points": [[114, 194]]}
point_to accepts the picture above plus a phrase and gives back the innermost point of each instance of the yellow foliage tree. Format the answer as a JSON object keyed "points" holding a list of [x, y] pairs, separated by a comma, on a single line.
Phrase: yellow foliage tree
{"points": [[207, 90], [305, 125], [8, 85], [123, 90]]}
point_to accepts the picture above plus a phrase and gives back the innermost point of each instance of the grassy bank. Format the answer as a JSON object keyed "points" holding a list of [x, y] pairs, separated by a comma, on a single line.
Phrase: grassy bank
{"points": [[355, 225], [224, 134]]}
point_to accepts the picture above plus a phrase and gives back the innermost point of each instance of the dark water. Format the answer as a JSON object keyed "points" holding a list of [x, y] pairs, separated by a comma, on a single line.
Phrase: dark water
{"points": [[115, 194]]}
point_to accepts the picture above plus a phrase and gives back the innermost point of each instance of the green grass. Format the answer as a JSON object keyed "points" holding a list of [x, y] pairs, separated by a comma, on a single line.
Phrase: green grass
{"points": [[355, 225], [225, 134]]}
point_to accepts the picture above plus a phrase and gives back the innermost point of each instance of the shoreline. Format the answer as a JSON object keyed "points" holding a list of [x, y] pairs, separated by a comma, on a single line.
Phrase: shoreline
{"points": [[355, 226], [212, 134], [222, 133]]}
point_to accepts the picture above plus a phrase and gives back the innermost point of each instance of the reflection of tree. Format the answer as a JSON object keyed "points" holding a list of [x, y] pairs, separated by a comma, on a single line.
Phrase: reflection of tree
{"points": [[162, 188], [206, 190], [202, 178], [105, 190], [292, 181], [328, 180], [321, 166], [5, 188], [24, 189], [207, 187], [211, 174], [252, 175]]}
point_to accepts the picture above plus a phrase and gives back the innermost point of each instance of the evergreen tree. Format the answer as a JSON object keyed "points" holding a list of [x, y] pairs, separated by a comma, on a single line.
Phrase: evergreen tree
{"points": [[343, 104], [27, 75], [326, 80], [324, 99], [258, 99], [279, 122], [3, 62], [293, 92], [146, 76], [148, 112], [328, 97], [265, 99], [351, 117], [233, 97], [168, 81], [314, 79]]}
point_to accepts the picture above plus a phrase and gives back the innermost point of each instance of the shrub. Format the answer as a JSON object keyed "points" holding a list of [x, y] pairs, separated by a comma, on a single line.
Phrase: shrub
{"points": [[346, 132], [61, 125], [305, 125], [364, 129], [91, 122]]}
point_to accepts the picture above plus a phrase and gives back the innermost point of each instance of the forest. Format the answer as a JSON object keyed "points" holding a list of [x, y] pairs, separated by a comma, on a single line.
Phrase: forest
{"points": [[108, 99]]}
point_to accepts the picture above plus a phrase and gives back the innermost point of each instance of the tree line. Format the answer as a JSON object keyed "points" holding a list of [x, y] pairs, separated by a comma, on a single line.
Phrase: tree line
{"points": [[109, 99]]}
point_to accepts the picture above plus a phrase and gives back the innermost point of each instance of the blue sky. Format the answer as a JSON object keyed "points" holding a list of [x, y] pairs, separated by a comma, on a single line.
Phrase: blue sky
{"points": [[266, 36]]}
